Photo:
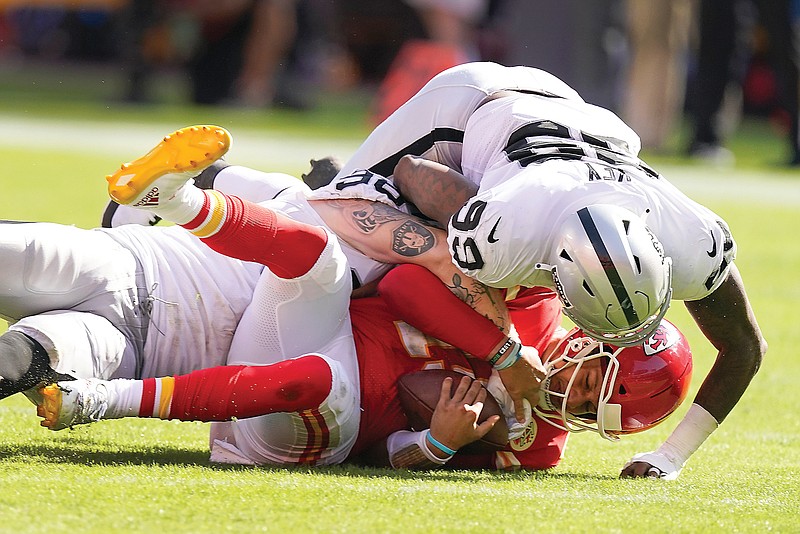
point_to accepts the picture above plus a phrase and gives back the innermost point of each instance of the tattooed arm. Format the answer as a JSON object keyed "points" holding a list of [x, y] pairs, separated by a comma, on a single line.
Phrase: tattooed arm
{"points": [[390, 236]]}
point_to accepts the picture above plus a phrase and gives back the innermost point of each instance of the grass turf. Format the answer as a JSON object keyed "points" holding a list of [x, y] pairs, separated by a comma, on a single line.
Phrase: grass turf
{"points": [[137, 476]]}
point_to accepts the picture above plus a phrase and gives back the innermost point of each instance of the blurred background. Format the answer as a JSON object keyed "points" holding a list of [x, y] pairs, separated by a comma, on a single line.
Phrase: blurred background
{"points": [[687, 75]]}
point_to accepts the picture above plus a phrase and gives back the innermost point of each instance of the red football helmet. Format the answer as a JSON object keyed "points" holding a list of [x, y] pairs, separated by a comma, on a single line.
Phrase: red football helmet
{"points": [[641, 386]]}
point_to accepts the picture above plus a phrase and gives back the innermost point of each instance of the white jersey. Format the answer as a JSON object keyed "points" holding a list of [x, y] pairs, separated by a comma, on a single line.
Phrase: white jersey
{"points": [[531, 128], [537, 165], [432, 123], [128, 302], [560, 152], [196, 298]]}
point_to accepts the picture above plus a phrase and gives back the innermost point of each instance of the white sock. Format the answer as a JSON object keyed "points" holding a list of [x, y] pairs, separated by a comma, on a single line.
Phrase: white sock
{"points": [[183, 206], [124, 398]]}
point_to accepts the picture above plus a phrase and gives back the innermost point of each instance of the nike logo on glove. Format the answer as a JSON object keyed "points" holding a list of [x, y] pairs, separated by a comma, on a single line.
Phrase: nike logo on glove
{"points": [[491, 238]]}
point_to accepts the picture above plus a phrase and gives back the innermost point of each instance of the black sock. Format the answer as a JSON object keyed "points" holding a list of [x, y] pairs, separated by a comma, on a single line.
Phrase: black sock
{"points": [[205, 180], [23, 364]]}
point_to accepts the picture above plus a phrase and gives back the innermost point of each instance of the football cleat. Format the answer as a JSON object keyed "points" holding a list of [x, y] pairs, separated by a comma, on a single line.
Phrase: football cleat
{"points": [[71, 403], [155, 177]]}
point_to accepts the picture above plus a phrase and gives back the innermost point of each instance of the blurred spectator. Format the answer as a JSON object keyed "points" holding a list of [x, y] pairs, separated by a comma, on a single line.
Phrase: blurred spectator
{"points": [[137, 19], [244, 47], [56, 32], [726, 31], [373, 32], [450, 27], [658, 36], [581, 42], [452, 23]]}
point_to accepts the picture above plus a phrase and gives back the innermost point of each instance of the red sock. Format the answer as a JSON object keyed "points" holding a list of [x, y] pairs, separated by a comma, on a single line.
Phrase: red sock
{"points": [[252, 232], [222, 393]]}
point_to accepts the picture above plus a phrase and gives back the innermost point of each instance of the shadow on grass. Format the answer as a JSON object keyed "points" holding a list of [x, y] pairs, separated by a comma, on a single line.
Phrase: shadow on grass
{"points": [[83, 451], [90, 453]]}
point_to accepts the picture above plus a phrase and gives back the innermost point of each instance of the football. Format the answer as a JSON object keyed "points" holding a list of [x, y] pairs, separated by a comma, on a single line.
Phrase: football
{"points": [[419, 394]]}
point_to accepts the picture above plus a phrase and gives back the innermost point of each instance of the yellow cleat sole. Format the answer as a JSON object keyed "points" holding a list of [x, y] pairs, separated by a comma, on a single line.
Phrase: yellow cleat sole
{"points": [[50, 408], [189, 149]]}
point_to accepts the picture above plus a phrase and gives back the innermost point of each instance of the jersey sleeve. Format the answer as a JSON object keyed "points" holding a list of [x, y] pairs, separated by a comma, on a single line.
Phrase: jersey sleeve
{"points": [[494, 241], [702, 249], [419, 298], [721, 253], [536, 315], [540, 447], [362, 184]]}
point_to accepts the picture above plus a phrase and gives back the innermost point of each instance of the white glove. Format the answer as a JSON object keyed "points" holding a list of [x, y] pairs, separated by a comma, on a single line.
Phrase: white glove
{"points": [[662, 466]]}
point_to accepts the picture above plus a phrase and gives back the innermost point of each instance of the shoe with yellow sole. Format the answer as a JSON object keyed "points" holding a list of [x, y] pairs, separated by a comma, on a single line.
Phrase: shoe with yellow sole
{"points": [[151, 180], [75, 402]]}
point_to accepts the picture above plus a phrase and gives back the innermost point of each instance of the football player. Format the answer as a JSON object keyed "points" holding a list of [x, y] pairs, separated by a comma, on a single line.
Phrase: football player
{"points": [[303, 410], [537, 187], [307, 276], [116, 303], [131, 294], [374, 236]]}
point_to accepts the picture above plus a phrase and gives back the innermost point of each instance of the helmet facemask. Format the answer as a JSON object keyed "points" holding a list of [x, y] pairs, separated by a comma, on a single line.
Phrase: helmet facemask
{"points": [[640, 385], [576, 352]]}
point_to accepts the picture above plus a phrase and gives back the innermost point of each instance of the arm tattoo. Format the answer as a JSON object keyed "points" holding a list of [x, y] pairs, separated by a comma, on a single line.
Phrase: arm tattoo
{"points": [[432, 189], [412, 239], [436, 190], [474, 292], [369, 216]]}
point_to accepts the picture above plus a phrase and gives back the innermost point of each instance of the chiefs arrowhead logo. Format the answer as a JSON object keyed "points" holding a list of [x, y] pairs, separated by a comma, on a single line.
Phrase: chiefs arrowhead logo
{"points": [[663, 338]]}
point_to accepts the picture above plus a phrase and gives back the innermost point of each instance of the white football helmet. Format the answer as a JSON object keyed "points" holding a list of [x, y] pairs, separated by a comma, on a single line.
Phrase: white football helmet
{"points": [[641, 385], [611, 274]]}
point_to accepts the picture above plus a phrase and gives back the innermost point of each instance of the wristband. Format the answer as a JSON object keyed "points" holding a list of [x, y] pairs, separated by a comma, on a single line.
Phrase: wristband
{"points": [[511, 357], [505, 349], [687, 437], [442, 447]]}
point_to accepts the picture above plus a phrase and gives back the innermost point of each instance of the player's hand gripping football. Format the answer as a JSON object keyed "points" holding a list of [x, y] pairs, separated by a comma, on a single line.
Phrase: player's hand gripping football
{"points": [[455, 419], [522, 380]]}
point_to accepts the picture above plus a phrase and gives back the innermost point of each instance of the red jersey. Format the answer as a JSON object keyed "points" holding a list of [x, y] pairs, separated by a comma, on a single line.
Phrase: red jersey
{"points": [[389, 348]]}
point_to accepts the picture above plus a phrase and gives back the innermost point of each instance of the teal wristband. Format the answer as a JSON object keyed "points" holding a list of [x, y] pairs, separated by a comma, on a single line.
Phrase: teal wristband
{"points": [[511, 358], [505, 348], [442, 447]]}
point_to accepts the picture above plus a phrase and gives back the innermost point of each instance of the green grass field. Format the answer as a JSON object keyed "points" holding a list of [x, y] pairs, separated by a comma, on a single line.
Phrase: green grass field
{"points": [[149, 476]]}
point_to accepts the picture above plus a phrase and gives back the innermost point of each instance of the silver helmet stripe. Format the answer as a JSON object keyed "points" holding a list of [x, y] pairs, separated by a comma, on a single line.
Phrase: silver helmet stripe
{"points": [[608, 266]]}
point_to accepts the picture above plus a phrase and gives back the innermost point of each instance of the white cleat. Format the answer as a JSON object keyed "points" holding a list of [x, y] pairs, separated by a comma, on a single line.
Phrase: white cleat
{"points": [[75, 402]]}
